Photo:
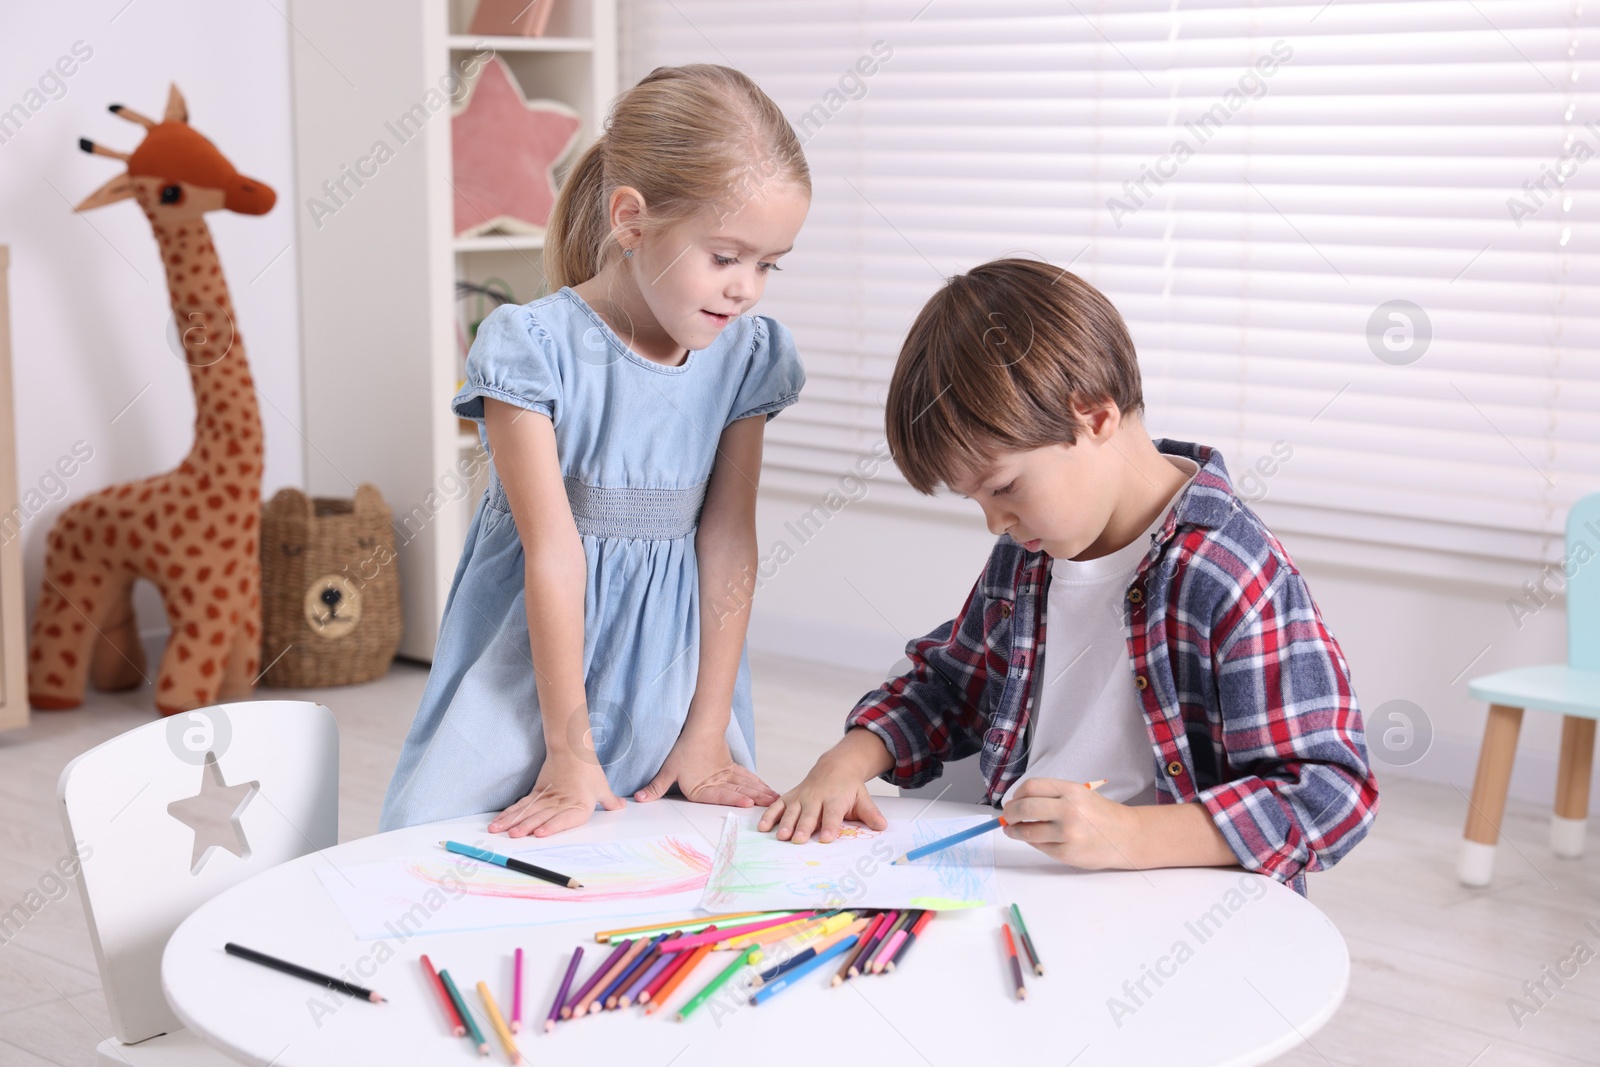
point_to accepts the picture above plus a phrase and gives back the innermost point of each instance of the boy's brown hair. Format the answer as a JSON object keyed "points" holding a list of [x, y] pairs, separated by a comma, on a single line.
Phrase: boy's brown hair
{"points": [[996, 361]]}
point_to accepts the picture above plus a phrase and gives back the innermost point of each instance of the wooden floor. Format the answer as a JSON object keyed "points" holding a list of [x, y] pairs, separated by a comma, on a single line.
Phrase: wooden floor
{"points": [[1433, 965]]}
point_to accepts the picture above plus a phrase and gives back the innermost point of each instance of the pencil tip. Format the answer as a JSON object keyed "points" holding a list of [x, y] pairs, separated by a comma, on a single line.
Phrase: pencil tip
{"points": [[377, 998]]}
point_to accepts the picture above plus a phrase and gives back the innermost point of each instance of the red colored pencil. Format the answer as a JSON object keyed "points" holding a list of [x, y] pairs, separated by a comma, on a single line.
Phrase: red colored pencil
{"points": [[860, 965], [661, 979], [1016, 965], [452, 1016]]}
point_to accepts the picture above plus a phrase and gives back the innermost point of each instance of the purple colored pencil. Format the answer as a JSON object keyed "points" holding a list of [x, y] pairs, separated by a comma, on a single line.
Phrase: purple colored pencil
{"points": [[638, 986], [599, 973], [608, 999], [561, 994]]}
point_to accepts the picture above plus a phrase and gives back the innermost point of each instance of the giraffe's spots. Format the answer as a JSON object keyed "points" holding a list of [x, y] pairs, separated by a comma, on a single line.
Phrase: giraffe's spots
{"points": [[166, 683], [150, 521], [211, 534], [77, 555], [202, 574], [245, 469], [220, 592], [52, 630], [37, 654], [88, 534], [174, 571], [177, 531], [111, 535], [218, 637], [55, 680], [125, 490], [249, 522], [205, 454], [69, 524], [67, 578], [150, 565], [232, 490], [222, 405], [99, 511], [231, 520], [77, 627], [161, 548], [183, 490], [94, 579], [69, 657], [249, 628], [244, 585], [214, 501], [134, 540], [183, 652], [233, 446], [187, 594], [250, 546], [192, 629], [230, 568], [192, 299], [191, 513], [213, 612], [192, 550], [169, 508], [228, 543], [144, 496]]}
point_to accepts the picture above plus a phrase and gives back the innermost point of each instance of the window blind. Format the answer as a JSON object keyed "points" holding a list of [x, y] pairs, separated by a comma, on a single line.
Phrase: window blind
{"points": [[1351, 240]]}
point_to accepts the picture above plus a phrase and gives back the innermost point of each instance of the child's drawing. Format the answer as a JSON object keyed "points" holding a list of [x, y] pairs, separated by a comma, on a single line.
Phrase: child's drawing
{"points": [[437, 892], [757, 871]]}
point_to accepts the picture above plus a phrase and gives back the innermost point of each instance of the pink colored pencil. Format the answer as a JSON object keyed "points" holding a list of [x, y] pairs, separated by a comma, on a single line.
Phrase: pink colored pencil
{"points": [[516, 992], [889, 950], [860, 965], [678, 944]]}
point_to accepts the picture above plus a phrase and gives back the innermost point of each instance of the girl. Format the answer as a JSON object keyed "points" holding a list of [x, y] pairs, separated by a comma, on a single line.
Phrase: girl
{"points": [[589, 647]]}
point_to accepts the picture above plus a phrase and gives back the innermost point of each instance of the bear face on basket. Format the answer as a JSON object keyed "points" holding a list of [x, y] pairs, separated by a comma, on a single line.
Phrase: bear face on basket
{"points": [[330, 589]]}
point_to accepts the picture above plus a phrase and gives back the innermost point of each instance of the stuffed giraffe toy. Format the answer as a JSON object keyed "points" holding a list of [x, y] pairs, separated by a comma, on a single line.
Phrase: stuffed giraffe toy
{"points": [[191, 531]]}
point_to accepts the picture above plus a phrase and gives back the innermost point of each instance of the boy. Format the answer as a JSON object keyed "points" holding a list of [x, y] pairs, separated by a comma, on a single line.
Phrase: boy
{"points": [[1186, 661]]}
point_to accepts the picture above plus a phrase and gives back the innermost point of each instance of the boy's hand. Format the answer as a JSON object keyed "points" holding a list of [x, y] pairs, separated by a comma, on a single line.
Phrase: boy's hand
{"points": [[1074, 825], [830, 794], [564, 796], [706, 774]]}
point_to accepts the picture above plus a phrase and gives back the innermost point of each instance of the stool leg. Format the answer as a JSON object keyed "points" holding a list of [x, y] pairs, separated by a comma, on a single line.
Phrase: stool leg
{"points": [[1572, 786], [1489, 794]]}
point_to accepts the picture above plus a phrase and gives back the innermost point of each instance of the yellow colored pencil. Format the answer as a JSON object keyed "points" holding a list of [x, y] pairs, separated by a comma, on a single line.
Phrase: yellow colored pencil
{"points": [[498, 1023], [688, 926], [770, 934]]}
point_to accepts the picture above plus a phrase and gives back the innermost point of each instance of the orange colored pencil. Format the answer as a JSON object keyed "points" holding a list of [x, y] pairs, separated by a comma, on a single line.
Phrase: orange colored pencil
{"points": [[658, 999]]}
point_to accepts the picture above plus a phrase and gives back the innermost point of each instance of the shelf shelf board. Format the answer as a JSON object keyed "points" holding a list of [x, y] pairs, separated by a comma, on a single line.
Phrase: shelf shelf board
{"points": [[465, 42], [517, 242]]}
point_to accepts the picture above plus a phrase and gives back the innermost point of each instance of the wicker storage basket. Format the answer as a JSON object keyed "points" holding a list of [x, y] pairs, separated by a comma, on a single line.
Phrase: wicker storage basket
{"points": [[330, 589]]}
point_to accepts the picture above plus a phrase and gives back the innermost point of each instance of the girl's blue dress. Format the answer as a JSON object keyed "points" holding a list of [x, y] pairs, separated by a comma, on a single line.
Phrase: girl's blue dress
{"points": [[636, 441]]}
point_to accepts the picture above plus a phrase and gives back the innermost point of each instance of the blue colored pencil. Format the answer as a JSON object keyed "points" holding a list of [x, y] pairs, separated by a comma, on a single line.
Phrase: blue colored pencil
{"points": [[954, 839], [788, 978], [608, 999]]}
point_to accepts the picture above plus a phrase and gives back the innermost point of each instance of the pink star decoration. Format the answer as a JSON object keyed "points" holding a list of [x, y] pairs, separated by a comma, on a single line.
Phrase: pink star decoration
{"points": [[505, 150]]}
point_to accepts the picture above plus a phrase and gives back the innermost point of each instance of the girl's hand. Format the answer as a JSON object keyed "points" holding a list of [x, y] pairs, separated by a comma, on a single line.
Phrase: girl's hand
{"points": [[830, 794], [1074, 825], [564, 796], [706, 774]]}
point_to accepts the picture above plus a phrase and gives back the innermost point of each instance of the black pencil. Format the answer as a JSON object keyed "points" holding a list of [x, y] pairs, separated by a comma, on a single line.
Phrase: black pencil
{"points": [[336, 984]]}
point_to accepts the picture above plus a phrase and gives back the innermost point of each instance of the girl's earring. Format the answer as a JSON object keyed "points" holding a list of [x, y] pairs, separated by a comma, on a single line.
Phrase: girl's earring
{"points": [[627, 253]]}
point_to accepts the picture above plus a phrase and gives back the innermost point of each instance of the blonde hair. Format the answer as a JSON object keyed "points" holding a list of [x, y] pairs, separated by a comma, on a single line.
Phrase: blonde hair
{"points": [[686, 138]]}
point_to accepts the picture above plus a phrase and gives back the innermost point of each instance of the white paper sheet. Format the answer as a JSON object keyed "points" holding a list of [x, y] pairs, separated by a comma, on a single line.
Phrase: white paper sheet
{"points": [[440, 892], [757, 872]]}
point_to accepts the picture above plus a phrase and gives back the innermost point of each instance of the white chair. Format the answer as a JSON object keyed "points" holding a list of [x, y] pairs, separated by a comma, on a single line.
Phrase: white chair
{"points": [[150, 852]]}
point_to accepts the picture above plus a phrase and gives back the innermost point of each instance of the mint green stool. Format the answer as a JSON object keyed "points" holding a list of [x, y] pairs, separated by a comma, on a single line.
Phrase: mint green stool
{"points": [[1570, 689]]}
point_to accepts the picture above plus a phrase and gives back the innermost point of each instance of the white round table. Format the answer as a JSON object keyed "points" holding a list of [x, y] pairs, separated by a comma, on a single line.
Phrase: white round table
{"points": [[1185, 966]]}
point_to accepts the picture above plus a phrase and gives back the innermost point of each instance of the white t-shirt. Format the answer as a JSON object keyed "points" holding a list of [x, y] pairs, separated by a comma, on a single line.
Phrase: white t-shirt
{"points": [[1087, 721]]}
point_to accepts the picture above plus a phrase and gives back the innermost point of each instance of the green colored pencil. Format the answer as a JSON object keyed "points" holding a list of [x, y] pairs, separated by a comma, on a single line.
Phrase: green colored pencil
{"points": [[1027, 940], [749, 955], [466, 1016]]}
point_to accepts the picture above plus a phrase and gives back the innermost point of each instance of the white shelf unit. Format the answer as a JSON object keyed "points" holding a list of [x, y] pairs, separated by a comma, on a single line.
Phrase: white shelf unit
{"points": [[381, 328]]}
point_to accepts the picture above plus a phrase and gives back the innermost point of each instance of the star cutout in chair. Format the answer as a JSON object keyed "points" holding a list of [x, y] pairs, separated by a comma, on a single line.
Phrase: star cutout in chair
{"points": [[505, 149], [213, 814]]}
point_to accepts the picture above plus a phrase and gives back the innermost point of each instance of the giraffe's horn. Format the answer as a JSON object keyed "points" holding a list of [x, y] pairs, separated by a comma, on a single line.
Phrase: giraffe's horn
{"points": [[101, 150], [131, 115]]}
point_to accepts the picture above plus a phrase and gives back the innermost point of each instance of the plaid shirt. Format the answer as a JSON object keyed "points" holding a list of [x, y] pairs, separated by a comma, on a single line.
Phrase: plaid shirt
{"points": [[1247, 698]]}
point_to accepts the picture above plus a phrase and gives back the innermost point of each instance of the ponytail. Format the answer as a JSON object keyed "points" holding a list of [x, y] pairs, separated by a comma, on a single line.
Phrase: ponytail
{"points": [[686, 138], [576, 238]]}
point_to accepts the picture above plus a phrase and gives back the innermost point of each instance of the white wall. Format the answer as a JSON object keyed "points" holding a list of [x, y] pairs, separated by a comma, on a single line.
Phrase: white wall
{"points": [[88, 297], [874, 577]]}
